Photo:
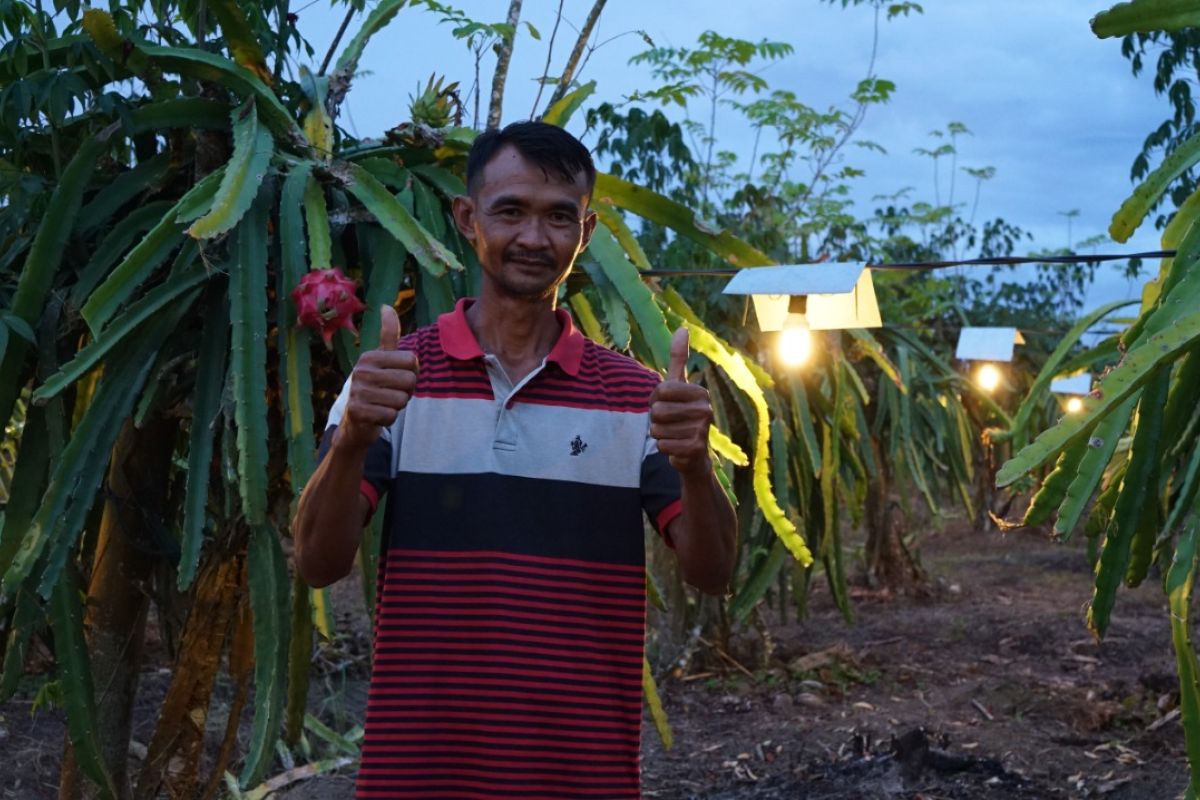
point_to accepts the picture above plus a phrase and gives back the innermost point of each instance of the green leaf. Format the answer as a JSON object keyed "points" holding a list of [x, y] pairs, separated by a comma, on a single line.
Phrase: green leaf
{"points": [[1117, 385], [122, 189], [320, 245], [252, 150], [656, 208], [654, 705], [75, 676], [119, 238], [151, 251], [206, 404], [213, 68], [1101, 445], [239, 38], [117, 332], [626, 279], [295, 357], [1146, 16], [561, 112], [1180, 579], [431, 254], [1137, 487], [1131, 213], [43, 259], [380, 16], [1035, 395], [442, 179], [248, 356], [270, 602], [190, 113], [735, 366]]}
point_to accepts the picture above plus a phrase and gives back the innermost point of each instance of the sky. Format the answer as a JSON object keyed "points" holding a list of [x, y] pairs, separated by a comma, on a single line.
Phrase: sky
{"points": [[1053, 109]]}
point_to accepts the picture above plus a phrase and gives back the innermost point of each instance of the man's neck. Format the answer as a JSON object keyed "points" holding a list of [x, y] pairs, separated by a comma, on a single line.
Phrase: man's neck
{"points": [[518, 332]]}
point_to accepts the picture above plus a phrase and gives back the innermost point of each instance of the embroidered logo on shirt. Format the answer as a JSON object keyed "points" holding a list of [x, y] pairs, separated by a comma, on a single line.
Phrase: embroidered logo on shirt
{"points": [[578, 445]]}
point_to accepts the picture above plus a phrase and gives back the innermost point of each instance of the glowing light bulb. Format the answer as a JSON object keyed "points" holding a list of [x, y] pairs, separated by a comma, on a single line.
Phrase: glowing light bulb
{"points": [[988, 378], [1074, 405], [795, 345]]}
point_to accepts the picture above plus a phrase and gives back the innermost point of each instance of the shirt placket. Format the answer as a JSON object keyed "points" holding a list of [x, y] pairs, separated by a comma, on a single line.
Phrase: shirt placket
{"points": [[507, 409]]}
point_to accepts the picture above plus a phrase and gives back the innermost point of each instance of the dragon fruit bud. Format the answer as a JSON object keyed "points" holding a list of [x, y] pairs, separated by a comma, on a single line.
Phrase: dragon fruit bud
{"points": [[325, 301]]}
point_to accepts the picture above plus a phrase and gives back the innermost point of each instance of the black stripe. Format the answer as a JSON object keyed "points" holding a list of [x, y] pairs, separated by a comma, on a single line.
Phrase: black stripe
{"points": [[531, 516]]}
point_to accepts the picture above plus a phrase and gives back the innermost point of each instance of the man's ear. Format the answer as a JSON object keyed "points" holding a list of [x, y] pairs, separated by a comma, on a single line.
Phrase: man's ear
{"points": [[463, 210], [589, 227]]}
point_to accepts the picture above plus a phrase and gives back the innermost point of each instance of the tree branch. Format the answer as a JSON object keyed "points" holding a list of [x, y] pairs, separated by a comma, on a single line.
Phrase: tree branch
{"points": [[504, 50], [549, 55], [568, 73], [337, 39]]}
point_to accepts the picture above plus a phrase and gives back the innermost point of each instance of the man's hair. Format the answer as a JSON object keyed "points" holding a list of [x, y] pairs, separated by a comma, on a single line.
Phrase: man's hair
{"points": [[557, 152]]}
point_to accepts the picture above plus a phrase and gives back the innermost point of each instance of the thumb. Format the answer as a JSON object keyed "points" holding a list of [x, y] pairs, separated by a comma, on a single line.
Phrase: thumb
{"points": [[389, 328], [677, 369]]}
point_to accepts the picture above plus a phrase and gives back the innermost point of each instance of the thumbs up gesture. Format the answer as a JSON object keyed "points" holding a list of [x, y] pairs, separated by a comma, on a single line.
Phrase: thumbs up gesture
{"points": [[381, 385], [680, 414]]}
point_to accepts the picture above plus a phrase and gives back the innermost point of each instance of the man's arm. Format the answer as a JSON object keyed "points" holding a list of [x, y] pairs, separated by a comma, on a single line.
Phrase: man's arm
{"points": [[705, 533], [326, 534], [332, 510]]}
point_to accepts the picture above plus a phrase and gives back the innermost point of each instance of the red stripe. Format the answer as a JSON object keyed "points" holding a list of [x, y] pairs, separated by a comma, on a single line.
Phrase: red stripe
{"points": [[379, 684], [532, 733], [488, 558], [420, 767], [368, 491], [611, 671], [452, 783], [514, 614], [568, 650], [533, 705], [615, 631], [620, 766], [666, 517], [409, 600], [542, 722], [480, 697], [460, 739], [505, 579], [399, 667], [494, 588], [395, 631], [436, 794]]}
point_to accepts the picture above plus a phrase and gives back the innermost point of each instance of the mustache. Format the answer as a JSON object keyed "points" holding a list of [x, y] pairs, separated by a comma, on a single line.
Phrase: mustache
{"points": [[532, 256]]}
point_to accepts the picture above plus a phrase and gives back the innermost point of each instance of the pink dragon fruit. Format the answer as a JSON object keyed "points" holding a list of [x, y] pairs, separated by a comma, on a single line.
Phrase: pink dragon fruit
{"points": [[325, 301]]}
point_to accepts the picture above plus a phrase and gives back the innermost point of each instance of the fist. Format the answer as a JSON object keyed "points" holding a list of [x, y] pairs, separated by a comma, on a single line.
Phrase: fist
{"points": [[680, 414], [381, 384]]}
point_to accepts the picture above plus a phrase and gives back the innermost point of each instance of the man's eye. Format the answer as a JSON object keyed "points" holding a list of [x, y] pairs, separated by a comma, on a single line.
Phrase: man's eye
{"points": [[562, 219]]}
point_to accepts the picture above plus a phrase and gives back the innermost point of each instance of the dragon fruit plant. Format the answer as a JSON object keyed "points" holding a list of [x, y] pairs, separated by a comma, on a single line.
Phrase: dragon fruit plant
{"points": [[325, 301]]}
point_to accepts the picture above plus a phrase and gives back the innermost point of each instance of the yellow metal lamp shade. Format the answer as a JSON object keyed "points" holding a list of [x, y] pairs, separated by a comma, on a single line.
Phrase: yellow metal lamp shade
{"points": [[837, 295]]}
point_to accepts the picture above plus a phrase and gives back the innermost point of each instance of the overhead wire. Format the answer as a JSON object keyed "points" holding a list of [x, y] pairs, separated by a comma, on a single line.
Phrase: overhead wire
{"points": [[999, 261]]}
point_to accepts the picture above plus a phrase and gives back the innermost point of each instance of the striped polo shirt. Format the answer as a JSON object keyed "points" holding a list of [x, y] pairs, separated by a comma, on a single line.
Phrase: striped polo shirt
{"points": [[509, 626]]}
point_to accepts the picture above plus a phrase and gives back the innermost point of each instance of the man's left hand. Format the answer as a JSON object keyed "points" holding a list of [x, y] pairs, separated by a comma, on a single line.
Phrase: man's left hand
{"points": [[680, 415]]}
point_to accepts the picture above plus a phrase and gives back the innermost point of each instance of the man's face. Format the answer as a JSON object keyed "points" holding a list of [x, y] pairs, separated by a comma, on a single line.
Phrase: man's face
{"points": [[527, 227]]}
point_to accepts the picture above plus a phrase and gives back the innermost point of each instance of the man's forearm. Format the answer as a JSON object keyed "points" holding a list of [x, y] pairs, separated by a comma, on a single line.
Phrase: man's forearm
{"points": [[705, 534], [329, 517]]}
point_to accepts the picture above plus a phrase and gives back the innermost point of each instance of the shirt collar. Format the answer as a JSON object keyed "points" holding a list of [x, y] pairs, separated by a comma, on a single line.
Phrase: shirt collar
{"points": [[458, 341]]}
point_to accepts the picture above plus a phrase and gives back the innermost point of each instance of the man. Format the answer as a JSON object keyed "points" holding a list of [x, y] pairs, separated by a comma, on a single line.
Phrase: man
{"points": [[518, 458]]}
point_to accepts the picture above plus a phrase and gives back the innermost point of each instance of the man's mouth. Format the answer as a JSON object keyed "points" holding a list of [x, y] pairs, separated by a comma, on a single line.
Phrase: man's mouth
{"points": [[530, 259]]}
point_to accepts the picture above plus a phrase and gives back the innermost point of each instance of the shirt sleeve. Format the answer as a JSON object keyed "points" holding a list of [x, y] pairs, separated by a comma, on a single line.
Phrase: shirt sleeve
{"points": [[379, 467], [661, 490]]}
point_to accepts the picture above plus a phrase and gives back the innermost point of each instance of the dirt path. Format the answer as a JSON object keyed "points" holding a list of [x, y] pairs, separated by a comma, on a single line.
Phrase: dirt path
{"points": [[990, 687]]}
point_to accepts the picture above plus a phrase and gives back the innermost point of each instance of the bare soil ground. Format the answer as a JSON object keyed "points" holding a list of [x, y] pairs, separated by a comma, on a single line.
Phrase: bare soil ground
{"points": [[988, 686]]}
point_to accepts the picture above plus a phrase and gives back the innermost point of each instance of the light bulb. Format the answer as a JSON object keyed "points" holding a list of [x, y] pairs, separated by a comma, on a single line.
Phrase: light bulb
{"points": [[1074, 405], [795, 345], [988, 378]]}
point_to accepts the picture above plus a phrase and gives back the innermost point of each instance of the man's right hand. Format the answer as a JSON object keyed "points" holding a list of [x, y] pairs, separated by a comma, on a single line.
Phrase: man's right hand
{"points": [[381, 385]]}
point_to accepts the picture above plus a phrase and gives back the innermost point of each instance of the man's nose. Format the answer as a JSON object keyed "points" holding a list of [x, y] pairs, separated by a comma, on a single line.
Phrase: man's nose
{"points": [[533, 234]]}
